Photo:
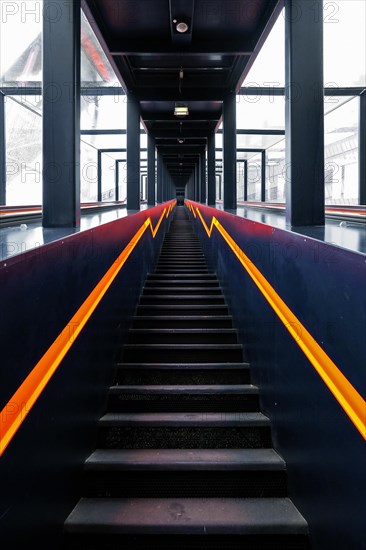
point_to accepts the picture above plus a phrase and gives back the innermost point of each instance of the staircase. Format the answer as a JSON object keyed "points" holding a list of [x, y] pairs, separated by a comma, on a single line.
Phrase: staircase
{"points": [[184, 457]]}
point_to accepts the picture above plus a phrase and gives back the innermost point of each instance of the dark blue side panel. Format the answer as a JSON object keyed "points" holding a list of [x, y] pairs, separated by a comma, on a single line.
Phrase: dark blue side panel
{"points": [[325, 287], [39, 293]]}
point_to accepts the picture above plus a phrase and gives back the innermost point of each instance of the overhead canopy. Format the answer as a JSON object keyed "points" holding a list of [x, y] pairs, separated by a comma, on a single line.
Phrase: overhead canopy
{"points": [[190, 53]]}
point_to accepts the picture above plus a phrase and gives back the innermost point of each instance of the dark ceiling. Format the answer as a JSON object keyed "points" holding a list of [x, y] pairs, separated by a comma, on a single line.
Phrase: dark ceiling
{"points": [[161, 66]]}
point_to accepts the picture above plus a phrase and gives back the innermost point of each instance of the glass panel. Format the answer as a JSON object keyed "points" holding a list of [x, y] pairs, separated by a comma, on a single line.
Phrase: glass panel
{"points": [[244, 156], [103, 112], [96, 69], [256, 141], [106, 141], [264, 71], [260, 112], [108, 178], [276, 173], [21, 43], [341, 154], [345, 43], [254, 178], [23, 154], [88, 173], [122, 181], [240, 181]]}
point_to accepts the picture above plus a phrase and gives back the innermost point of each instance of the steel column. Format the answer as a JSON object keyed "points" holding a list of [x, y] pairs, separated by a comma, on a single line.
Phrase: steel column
{"points": [[211, 171], [203, 186], [263, 176], [245, 180], [99, 191], [159, 187], [116, 172], [61, 113], [150, 170], [133, 153], [304, 113], [229, 151], [362, 150], [2, 151]]}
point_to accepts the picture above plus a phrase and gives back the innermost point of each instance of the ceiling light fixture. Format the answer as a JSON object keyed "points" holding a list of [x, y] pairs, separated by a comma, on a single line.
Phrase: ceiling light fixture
{"points": [[180, 26], [181, 109]]}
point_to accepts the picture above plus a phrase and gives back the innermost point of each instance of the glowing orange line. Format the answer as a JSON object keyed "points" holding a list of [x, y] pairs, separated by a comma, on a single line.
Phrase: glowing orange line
{"points": [[17, 408], [347, 396]]}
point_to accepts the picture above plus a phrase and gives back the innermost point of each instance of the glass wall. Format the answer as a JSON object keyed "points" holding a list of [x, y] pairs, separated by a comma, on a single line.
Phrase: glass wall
{"points": [[21, 68], [88, 172], [254, 178], [341, 154], [23, 138]]}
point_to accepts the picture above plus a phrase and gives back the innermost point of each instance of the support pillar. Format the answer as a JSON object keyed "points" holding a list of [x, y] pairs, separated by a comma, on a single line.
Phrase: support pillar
{"points": [[229, 151], [133, 153], [362, 149], [203, 183], [196, 182], [2, 151], [304, 113], [61, 113], [211, 171], [159, 187], [99, 190], [245, 180], [263, 176], [150, 170], [117, 180]]}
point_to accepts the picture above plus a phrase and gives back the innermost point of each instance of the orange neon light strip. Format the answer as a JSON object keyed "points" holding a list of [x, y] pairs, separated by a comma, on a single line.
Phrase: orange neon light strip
{"points": [[347, 396], [17, 408]]}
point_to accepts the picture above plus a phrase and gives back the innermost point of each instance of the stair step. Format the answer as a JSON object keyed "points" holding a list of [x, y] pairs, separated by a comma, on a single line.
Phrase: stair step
{"points": [[183, 373], [192, 309], [186, 516], [216, 389], [196, 299], [187, 321], [188, 430], [192, 478], [183, 398], [182, 352], [182, 335], [182, 282], [185, 276], [185, 459], [185, 420], [153, 290]]}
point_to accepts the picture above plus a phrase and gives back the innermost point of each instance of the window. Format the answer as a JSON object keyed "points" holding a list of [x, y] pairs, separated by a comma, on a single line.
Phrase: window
{"points": [[23, 151]]}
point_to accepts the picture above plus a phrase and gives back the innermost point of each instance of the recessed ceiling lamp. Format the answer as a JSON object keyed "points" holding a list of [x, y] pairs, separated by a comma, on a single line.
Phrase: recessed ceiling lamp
{"points": [[180, 26], [181, 109], [180, 140]]}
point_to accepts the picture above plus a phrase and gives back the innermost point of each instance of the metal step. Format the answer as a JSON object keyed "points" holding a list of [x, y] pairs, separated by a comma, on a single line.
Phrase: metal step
{"points": [[182, 353], [183, 398], [187, 321], [186, 516], [182, 335], [185, 473], [184, 309], [184, 430], [185, 459], [195, 299], [151, 290], [182, 373]]}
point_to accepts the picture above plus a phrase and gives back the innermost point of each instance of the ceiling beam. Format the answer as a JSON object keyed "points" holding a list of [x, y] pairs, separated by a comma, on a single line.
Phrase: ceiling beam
{"points": [[179, 133], [119, 47], [163, 116], [186, 95]]}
